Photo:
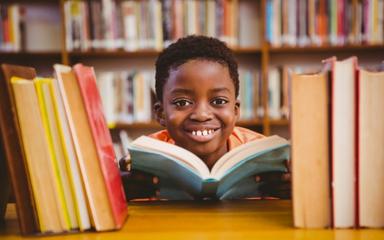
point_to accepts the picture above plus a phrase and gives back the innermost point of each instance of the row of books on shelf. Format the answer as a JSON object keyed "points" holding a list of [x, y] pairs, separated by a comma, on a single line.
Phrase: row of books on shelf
{"points": [[337, 134], [109, 25], [324, 22], [250, 94], [128, 96], [279, 88], [30, 27], [10, 38], [59, 151], [153, 24]]}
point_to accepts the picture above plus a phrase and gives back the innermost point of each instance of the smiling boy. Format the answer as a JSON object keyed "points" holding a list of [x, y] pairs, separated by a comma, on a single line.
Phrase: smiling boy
{"points": [[197, 85]]}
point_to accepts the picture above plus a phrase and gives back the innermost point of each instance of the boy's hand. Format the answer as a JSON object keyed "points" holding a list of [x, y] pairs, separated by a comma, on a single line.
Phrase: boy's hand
{"points": [[276, 184], [138, 184]]}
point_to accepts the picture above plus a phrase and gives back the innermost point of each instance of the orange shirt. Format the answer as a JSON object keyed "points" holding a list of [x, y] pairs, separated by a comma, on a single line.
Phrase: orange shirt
{"points": [[239, 136]]}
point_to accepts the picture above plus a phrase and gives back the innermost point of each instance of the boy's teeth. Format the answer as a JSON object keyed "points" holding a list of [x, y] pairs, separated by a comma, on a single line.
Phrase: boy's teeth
{"points": [[203, 132]]}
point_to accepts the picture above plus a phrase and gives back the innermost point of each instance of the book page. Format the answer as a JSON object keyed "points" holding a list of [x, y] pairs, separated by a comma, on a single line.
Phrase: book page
{"points": [[231, 158], [174, 151]]}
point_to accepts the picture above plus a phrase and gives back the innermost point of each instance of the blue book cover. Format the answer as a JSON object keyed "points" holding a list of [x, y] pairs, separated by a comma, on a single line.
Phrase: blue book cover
{"points": [[189, 173]]}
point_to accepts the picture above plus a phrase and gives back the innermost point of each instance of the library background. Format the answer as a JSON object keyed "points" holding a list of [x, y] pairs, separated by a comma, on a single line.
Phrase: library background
{"points": [[121, 40]]}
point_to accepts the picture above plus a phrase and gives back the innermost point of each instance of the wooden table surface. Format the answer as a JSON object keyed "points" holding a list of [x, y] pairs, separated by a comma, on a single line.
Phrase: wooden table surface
{"points": [[258, 219]]}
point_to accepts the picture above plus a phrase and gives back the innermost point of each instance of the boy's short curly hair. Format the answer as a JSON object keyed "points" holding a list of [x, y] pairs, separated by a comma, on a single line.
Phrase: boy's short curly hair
{"points": [[190, 48]]}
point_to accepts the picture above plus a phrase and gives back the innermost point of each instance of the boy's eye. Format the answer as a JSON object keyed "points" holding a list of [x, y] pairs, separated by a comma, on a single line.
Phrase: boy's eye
{"points": [[219, 101], [182, 102]]}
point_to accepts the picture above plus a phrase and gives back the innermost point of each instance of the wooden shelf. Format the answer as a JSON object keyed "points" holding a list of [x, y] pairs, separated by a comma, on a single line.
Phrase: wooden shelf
{"points": [[326, 48], [143, 53], [30, 54], [250, 123], [114, 53], [29, 2], [283, 49], [279, 122], [253, 50], [130, 126]]}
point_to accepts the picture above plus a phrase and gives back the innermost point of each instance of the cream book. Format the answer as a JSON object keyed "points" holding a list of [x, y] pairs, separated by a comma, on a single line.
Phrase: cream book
{"points": [[370, 149], [310, 150]]}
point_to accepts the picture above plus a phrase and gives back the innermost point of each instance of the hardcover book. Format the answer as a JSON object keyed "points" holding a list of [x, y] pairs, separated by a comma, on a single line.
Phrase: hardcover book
{"points": [[46, 193], [106, 200], [343, 141], [101, 138], [310, 150], [14, 154], [190, 174], [370, 149]]}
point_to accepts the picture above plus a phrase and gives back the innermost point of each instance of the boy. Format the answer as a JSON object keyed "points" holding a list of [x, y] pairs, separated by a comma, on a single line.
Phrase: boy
{"points": [[197, 86]]}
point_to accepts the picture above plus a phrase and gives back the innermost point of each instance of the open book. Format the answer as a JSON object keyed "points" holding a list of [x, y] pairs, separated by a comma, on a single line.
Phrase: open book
{"points": [[187, 171]]}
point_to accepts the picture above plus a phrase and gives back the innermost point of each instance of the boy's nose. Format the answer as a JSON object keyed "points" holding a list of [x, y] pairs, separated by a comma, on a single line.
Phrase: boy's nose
{"points": [[201, 112]]}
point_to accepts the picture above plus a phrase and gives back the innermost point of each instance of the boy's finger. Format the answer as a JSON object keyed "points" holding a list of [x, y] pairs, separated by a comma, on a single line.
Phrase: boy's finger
{"points": [[140, 176], [271, 176], [287, 164], [276, 190], [286, 177], [139, 191], [155, 180]]}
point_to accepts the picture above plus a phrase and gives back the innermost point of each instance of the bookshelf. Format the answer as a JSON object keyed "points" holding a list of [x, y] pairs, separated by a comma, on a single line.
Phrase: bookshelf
{"points": [[250, 40]]}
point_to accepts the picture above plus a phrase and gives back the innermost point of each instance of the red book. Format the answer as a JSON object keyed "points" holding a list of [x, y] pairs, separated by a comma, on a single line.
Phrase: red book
{"points": [[102, 139]]}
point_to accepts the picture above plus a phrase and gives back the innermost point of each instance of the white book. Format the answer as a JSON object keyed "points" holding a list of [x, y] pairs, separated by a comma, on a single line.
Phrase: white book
{"points": [[106, 85], [129, 9], [44, 19], [249, 20], [274, 89], [343, 138], [211, 19]]}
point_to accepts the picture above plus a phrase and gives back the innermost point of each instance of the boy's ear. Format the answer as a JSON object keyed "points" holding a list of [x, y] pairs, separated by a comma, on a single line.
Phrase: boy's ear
{"points": [[159, 113], [237, 108]]}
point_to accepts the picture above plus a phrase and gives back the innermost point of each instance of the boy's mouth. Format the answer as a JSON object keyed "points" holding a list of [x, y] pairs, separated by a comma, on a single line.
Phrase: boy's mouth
{"points": [[204, 132], [203, 135]]}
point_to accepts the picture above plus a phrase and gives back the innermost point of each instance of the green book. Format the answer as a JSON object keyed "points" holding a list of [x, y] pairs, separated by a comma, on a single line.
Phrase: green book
{"points": [[189, 173]]}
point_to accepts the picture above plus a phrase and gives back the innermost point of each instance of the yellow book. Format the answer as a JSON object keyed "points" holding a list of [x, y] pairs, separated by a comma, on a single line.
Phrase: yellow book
{"points": [[79, 213], [38, 161], [62, 185]]}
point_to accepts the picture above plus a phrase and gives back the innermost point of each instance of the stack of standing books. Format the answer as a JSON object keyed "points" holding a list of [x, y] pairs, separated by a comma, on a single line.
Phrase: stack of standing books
{"points": [[59, 151], [337, 146]]}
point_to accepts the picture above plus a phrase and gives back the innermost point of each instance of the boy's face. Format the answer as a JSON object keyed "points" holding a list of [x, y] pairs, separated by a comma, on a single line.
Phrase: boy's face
{"points": [[199, 108]]}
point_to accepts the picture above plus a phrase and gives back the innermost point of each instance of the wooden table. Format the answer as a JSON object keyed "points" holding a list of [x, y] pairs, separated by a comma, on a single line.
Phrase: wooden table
{"points": [[259, 219]]}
